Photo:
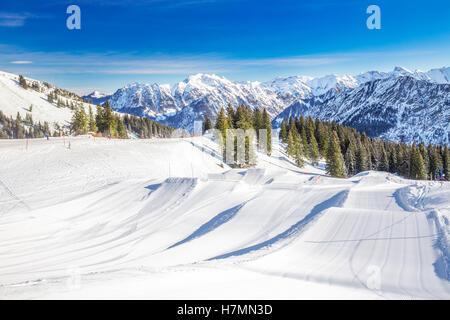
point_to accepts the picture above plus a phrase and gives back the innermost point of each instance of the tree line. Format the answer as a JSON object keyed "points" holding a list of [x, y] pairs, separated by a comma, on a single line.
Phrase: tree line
{"points": [[115, 125], [242, 118], [19, 128], [54, 94], [348, 152], [105, 121]]}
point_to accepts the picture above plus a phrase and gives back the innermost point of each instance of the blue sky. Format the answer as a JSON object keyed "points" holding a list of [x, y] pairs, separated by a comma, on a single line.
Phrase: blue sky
{"points": [[164, 41]]}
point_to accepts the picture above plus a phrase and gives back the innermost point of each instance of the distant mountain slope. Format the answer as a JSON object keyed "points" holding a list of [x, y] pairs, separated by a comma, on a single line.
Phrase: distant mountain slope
{"points": [[97, 97], [396, 108], [179, 105]]}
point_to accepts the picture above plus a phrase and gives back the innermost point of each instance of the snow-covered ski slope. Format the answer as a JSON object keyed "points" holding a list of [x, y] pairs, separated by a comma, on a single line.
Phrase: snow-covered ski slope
{"points": [[166, 219], [15, 99]]}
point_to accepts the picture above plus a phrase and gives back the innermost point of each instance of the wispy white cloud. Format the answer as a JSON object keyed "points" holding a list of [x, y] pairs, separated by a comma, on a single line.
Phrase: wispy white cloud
{"points": [[21, 62], [14, 59], [114, 63], [293, 61], [12, 19]]}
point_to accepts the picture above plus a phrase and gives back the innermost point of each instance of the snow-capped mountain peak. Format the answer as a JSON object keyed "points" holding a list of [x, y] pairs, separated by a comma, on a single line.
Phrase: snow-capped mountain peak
{"points": [[98, 94], [96, 97], [182, 103], [402, 70]]}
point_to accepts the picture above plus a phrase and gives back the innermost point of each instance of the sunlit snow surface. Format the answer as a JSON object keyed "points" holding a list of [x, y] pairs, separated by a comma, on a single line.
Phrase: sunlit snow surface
{"points": [[163, 219], [14, 99]]}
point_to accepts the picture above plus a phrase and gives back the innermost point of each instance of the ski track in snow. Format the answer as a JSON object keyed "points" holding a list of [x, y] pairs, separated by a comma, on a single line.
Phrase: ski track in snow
{"points": [[119, 211]]}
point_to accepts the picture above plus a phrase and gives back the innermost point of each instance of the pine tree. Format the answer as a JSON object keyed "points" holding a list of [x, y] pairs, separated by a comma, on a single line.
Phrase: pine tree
{"points": [[28, 119], [417, 169], [435, 162], [267, 125], [334, 160], [207, 124], [80, 122], [92, 123], [231, 117], [243, 118], [290, 147], [23, 82], [99, 119], [298, 157], [299, 143], [50, 97], [3, 134], [283, 132], [292, 124], [18, 128], [257, 121], [393, 162], [121, 131], [403, 160], [383, 164], [362, 160], [424, 153], [222, 123], [310, 128], [313, 151], [446, 162], [350, 159], [322, 139], [109, 120]]}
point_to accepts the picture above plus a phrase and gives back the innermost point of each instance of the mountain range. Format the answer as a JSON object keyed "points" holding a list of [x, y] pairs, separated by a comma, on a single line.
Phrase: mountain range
{"points": [[401, 105], [395, 108]]}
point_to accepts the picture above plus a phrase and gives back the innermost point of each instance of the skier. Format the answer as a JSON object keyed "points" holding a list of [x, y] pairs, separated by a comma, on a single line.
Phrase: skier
{"points": [[47, 136]]}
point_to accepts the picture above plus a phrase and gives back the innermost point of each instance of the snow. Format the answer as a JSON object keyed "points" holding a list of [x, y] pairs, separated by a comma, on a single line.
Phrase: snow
{"points": [[165, 218], [14, 99]]}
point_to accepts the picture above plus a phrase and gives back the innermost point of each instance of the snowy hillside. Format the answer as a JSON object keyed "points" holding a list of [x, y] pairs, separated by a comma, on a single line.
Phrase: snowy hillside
{"points": [[14, 98], [88, 224], [395, 108]]}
